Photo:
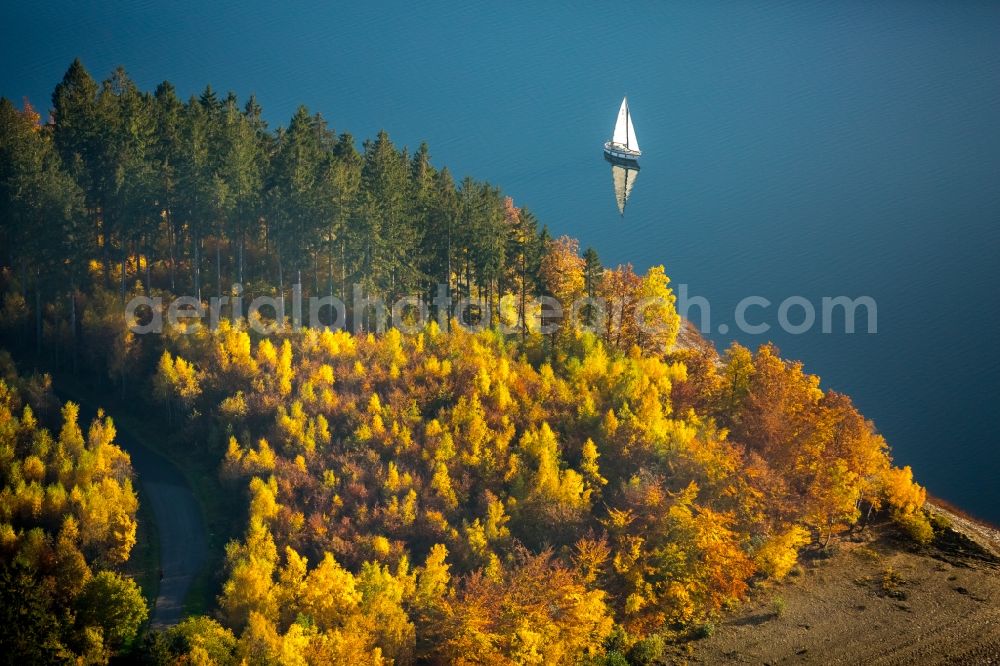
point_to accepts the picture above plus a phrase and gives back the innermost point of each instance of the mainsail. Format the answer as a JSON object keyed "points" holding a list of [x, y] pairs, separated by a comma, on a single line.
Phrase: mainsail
{"points": [[624, 129], [624, 179]]}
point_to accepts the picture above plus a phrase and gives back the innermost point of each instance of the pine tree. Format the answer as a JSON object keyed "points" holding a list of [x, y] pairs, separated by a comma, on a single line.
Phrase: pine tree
{"points": [[383, 237], [166, 156], [241, 166], [41, 207], [593, 273], [300, 197]]}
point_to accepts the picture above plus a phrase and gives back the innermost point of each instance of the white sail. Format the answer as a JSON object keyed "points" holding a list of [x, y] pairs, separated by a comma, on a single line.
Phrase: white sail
{"points": [[624, 129], [632, 143], [624, 179], [622, 124]]}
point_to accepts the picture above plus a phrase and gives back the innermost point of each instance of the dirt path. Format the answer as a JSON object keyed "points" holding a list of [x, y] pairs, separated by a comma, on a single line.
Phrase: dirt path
{"points": [[176, 514], [179, 524]]}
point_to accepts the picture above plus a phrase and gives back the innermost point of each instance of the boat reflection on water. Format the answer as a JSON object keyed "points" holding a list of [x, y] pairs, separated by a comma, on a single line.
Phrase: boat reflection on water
{"points": [[623, 175]]}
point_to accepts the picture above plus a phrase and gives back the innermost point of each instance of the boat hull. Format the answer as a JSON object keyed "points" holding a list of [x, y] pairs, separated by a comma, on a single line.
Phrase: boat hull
{"points": [[617, 153]]}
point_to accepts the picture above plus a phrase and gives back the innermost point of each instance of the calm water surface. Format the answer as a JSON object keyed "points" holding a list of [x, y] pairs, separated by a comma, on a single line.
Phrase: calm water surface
{"points": [[791, 148]]}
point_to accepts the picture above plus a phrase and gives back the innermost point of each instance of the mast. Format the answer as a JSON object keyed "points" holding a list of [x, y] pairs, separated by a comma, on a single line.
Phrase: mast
{"points": [[628, 121]]}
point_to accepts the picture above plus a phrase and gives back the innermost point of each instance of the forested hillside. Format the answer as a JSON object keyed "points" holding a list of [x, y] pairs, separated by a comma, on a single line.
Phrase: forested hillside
{"points": [[437, 496], [452, 497]]}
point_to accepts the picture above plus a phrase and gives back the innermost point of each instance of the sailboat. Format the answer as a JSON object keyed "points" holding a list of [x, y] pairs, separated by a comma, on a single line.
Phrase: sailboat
{"points": [[624, 179], [623, 146]]}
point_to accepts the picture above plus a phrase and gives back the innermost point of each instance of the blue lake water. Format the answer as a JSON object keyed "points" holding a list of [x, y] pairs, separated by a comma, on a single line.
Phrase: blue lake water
{"points": [[790, 148]]}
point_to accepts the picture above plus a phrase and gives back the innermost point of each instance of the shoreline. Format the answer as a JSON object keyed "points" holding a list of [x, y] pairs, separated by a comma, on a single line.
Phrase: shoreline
{"points": [[951, 507], [982, 533]]}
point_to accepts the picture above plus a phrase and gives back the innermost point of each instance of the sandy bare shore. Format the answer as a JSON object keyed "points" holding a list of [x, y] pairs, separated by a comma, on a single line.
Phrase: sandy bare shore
{"points": [[985, 536], [875, 600]]}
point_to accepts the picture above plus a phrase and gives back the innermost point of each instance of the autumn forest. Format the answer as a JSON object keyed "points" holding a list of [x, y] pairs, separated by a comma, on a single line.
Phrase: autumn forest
{"points": [[583, 493]]}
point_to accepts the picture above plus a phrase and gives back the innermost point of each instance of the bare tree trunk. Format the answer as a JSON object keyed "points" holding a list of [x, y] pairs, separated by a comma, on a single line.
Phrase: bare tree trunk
{"points": [[242, 244], [72, 325], [447, 280], [197, 267], [218, 266], [281, 278], [468, 278], [124, 254], [315, 275], [172, 243], [524, 294], [38, 314], [105, 253], [329, 267], [149, 257]]}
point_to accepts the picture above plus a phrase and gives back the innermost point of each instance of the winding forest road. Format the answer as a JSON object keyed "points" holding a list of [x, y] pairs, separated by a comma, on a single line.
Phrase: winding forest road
{"points": [[177, 516], [179, 524]]}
